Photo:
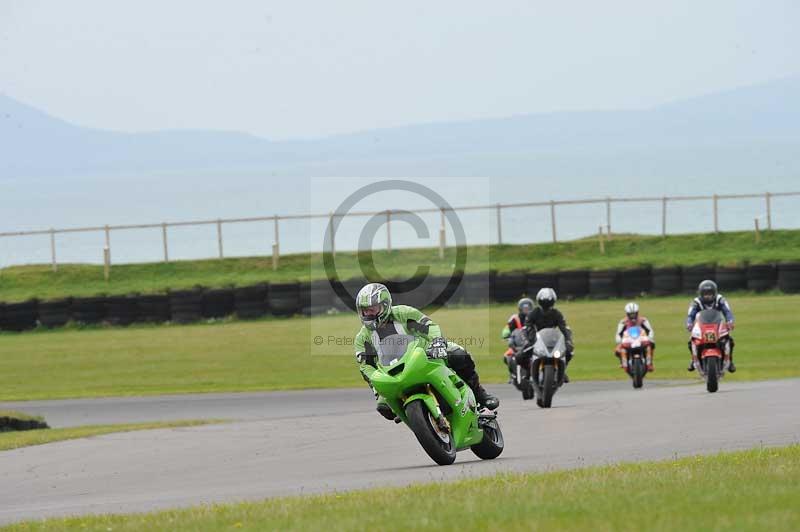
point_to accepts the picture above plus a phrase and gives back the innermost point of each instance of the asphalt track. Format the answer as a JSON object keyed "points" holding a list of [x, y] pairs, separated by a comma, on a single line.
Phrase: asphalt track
{"points": [[287, 443]]}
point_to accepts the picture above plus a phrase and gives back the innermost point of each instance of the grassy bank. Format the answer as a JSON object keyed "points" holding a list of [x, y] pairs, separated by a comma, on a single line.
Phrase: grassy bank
{"points": [[14, 440], [275, 354], [20, 283], [749, 490]]}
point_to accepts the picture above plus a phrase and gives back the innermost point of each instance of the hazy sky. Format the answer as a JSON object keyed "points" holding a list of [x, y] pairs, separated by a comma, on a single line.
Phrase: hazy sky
{"points": [[304, 69]]}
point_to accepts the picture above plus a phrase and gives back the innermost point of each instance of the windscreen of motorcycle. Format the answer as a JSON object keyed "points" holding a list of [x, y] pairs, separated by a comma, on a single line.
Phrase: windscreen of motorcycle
{"points": [[710, 316], [391, 345], [548, 341]]}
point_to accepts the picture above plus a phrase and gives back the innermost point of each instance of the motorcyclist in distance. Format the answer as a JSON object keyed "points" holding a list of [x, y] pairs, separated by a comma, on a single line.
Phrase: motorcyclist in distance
{"points": [[545, 316], [632, 319]]}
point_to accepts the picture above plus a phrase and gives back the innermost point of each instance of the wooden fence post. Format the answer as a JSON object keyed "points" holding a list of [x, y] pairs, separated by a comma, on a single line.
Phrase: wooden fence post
{"points": [[389, 231], [442, 235], [219, 238], [600, 238], [768, 198], [553, 220], [108, 241], [164, 241], [716, 213], [276, 245], [608, 217], [499, 225], [664, 216], [53, 249]]}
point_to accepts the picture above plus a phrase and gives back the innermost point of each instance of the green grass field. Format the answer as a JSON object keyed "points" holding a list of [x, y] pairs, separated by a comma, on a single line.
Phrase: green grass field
{"points": [[24, 282], [747, 490], [274, 354], [26, 438]]}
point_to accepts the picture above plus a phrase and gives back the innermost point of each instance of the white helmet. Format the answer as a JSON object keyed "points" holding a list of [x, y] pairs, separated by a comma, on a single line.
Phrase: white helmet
{"points": [[546, 298], [632, 310]]}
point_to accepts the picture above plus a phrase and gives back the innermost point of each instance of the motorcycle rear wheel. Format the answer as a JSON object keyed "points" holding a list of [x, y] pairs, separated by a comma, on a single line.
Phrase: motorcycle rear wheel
{"points": [[441, 450]]}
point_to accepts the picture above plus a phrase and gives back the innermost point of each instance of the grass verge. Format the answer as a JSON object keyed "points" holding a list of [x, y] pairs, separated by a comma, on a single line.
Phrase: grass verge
{"points": [[16, 439], [317, 352], [23, 282], [747, 490]]}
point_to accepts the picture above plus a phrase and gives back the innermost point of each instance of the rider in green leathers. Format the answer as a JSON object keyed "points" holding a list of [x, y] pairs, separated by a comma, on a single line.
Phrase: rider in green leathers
{"points": [[383, 322]]}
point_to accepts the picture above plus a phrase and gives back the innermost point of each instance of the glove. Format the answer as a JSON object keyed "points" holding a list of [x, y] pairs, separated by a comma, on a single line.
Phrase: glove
{"points": [[730, 325], [438, 348]]}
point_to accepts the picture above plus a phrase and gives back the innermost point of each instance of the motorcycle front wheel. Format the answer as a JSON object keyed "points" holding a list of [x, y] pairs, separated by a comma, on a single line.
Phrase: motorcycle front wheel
{"points": [[548, 386], [437, 443], [712, 374], [637, 373], [492, 443]]}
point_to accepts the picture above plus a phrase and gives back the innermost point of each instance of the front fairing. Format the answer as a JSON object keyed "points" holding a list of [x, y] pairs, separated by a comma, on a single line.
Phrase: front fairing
{"points": [[415, 375]]}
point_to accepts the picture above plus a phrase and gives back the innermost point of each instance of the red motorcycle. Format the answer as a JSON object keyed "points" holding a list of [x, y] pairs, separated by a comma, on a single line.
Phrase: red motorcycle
{"points": [[709, 334]]}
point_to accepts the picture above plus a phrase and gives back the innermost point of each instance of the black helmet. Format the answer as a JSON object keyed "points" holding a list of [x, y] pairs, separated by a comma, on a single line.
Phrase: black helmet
{"points": [[525, 305], [546, 298], [707, 291]]}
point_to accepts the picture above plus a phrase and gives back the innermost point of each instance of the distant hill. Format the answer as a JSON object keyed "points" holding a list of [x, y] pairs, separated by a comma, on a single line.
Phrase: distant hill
{"points": [[746, 131]]}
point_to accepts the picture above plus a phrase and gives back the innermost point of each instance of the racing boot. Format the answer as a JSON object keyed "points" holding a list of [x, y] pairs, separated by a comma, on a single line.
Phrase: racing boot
{"points": [[483, 397], [691, 366], [732, 366]]}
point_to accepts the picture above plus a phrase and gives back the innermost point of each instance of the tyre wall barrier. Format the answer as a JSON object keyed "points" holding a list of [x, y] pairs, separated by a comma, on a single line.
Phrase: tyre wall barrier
{"points": [[55, 313], [474, 289], [218, 303], [635, 282], [509, 287], [122, 310], [692, 276], [352, 286], [666, 281], [536, 281], [154, 308], [789, 277], [762, 277], [186, 306], [414, 292], [251, 302], [319, 297], [284, 299], [88, 309], [603, 284], [19, 316], [444, 289], [731, 278], [572, 284]]}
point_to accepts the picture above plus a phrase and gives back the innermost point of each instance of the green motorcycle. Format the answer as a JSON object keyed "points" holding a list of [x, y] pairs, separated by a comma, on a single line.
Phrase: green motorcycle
{"points": [[436, 404]]}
